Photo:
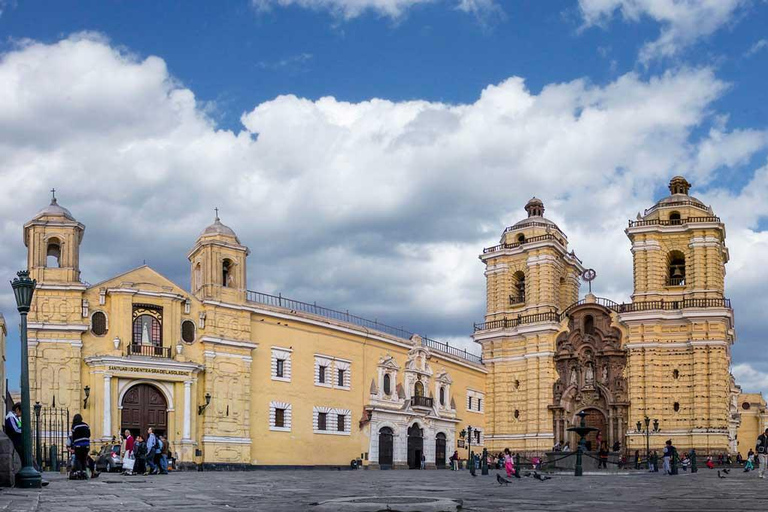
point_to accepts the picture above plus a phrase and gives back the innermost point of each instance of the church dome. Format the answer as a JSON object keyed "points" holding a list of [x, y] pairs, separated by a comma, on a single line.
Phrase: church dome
{"points": [[535, 209], [220, 229], [54, 210], [678, 188]]}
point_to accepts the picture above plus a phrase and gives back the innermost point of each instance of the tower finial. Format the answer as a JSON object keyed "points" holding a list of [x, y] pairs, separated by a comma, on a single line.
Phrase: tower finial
{"points": [[53, 196], [535, 207], [217, 214], [679, 185]]}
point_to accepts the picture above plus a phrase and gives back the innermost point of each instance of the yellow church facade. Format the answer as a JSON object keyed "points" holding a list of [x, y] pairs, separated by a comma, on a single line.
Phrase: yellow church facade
{"points": [[240, 378], [235, 377]]}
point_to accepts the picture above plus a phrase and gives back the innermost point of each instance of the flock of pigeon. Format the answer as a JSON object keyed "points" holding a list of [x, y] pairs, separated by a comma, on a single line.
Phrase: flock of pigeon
{"points": [[529, 474]]}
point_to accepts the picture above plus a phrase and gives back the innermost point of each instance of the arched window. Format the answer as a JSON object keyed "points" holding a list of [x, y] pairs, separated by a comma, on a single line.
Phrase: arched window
{"points": [[521, 238], [418, 389], [99, 323], [197, 277], [675, 373], [442, 395], [589, 324], [387, 384], [674, 218], [146, 331], [188, 331], [517, 414], [53, 254], [518, 296], [226, 272], [676, 406], [676, 271]]}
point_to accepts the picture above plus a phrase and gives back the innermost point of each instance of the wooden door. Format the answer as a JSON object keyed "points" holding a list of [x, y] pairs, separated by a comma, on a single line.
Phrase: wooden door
{"points": [[386, 450], [144, 407]]}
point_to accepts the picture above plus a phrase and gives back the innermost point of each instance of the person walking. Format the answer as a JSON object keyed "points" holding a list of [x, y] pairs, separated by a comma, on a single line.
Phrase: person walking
{"points": [[81, 443], [669, 450], [140, 456], [762, 453], [509, 465], [129, 461], [164, 451], [13, 429], [151, 452], [603, 455]]}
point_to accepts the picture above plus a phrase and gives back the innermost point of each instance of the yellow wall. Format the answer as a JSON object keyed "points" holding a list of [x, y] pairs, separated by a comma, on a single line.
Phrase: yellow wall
{"points": [[754, 420]]}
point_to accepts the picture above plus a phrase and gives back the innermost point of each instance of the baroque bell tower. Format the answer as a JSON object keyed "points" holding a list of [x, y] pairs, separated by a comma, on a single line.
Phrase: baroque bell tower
{"points": [[59, 313], [531, 278], [218, 263], [680, 325]]}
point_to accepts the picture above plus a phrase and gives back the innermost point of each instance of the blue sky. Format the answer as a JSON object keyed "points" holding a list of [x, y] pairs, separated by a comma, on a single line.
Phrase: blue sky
{"points": [[591, 105]]}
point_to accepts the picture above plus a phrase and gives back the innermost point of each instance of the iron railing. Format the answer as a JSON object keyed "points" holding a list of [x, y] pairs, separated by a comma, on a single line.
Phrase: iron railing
{"points": [[531, 240], [516, 299], [534, 224], [50, 432], [697, 204], [672, 222], [675, 281], [279, 301], [508, 323], [421, 401], [148, 351], [652, 305]]}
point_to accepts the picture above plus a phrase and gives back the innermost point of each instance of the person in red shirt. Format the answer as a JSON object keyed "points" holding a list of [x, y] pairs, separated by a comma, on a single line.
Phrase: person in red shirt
{"points": [[128, 454]]}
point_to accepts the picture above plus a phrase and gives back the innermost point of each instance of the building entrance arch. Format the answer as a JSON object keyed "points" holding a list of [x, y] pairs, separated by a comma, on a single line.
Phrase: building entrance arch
{"points": [[594, 418], [386, 448], [143, 407], [415, 446], [440, 450]]}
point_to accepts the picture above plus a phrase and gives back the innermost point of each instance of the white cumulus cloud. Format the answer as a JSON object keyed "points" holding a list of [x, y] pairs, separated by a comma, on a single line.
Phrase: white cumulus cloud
{"points": [[683, 22], [348, 9], [377, 206]]}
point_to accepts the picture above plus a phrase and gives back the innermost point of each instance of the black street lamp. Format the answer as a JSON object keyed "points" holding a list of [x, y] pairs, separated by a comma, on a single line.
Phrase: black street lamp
{"points": [[647, 433], [470, 460], [23, 288]]}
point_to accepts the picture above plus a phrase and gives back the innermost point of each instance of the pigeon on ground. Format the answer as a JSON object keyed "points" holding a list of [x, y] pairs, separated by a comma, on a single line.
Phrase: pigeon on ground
{"points": [[719, 475], [726, 471], [502, 480], [540, 477], [528, 474]]}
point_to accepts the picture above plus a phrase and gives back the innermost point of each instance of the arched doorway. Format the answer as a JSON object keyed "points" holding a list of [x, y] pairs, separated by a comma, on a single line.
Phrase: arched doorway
{"points": [[144, 406], [440, 450], [386, 450], [415, 446], [596, 419]]}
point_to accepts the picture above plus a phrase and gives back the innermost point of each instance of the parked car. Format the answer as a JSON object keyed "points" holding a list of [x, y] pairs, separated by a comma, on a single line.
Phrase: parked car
{"points": [[109, 459]]}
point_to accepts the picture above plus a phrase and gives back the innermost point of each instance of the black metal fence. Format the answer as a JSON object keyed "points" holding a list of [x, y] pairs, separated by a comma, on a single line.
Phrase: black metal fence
{"points": [[344, 316], [49, 437]]}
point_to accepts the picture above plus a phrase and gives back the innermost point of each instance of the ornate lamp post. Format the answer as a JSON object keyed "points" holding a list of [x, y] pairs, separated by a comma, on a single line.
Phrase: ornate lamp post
{"points": [[470, 460], [23, 288], [647, 433]]}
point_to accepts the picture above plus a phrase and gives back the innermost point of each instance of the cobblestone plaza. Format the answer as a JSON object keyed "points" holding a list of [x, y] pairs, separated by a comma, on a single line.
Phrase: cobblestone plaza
{"points": [[303, 490]]}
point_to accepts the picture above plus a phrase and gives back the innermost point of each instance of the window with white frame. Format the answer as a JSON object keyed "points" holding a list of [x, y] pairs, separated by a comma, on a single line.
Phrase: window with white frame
{"points": [[281, 364], [477, 436], [323, 366], [280, 416], [475, 401], [332, 372], [328, 420]]}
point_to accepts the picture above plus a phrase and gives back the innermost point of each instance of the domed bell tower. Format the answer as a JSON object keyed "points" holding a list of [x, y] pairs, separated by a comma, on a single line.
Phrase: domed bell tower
{"points": [[53, 238], [218, 263]]}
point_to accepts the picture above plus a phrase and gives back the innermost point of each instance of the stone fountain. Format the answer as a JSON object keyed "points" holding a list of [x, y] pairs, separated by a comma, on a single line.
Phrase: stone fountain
{"points": [[582, 430]]}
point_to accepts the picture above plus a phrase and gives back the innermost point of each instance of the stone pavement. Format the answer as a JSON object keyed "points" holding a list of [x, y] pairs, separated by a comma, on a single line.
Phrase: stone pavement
{"points": [[301, 490]]}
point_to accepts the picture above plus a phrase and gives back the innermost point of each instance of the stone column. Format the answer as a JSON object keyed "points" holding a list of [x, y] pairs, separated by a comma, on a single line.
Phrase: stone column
{"points": [[186, 433], [611, 436], [107, 426]]}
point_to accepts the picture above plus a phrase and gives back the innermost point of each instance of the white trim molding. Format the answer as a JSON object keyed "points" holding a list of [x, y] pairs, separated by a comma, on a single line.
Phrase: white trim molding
{"points": [[231, 343], [283, 355], [332, 421], [287, 416]]}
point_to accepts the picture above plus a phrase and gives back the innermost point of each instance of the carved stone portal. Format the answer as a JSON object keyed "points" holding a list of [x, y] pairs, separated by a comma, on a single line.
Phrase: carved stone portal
{"points": [[590, 363]]}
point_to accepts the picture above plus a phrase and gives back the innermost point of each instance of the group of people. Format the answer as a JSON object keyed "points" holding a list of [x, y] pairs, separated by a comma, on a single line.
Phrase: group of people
{"points": [[142, 456], [139, 455]]}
